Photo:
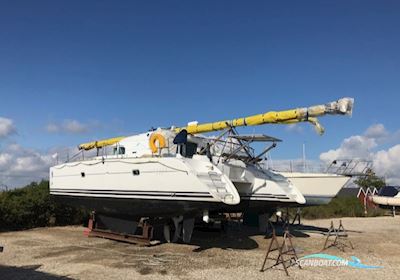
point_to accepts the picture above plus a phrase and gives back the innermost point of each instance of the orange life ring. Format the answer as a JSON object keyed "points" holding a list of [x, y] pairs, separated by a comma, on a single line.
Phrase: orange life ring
{"points": [[156, 137]]}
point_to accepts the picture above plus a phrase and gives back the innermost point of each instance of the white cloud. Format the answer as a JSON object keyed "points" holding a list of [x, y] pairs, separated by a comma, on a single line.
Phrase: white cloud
{"points": [[19, 165], [52, 128], [7, 127], [68, 126], [357, 146], [295, 127], [376, 131], [73, 126], [386, 162]]}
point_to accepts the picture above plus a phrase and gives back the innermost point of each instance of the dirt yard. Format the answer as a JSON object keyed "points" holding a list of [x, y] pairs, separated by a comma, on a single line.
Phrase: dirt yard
{"points": [[65, 253]]}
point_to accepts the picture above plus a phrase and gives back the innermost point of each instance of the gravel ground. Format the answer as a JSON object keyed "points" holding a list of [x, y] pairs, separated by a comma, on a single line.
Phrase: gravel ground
{"points": [[65, 253]]}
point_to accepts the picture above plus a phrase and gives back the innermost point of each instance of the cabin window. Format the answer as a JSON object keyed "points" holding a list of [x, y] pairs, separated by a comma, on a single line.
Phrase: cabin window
{"points": [[119, 150], [135, 172], [83, 174]]}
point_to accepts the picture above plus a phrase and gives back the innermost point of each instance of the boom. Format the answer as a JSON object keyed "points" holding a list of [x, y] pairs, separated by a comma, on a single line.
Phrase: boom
{"points": [[342, 106]]}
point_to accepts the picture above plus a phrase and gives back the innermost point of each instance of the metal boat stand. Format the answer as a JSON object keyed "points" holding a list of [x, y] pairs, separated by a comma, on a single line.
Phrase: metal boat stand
{"points": [[285, 249], [143, 239], [297, 217], [340, 241]]}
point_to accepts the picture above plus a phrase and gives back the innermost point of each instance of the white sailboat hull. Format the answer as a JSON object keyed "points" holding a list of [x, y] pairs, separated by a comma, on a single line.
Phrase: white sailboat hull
{"points": [[386, 200], [317, 188]]}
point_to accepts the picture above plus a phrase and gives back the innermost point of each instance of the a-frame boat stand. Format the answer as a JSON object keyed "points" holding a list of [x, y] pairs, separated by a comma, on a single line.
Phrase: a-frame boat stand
{"points": [[340, 241], [287, 255]]}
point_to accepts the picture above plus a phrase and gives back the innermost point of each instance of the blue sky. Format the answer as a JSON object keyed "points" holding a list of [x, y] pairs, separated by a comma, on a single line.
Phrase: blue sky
{"points": [[122, 67]]}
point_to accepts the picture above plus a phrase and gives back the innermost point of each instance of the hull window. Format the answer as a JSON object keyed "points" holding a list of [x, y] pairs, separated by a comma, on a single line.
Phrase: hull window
{"points": [[135, 172], [119, 150]]}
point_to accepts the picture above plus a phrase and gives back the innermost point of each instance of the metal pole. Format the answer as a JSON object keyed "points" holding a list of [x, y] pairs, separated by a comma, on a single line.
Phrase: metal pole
{"points": [[304, 157]]}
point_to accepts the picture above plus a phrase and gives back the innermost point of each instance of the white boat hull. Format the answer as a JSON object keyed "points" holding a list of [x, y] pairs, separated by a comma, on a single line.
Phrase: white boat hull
{"points": [[317, 188], [142, 180], [386, 200], [164, 186]]}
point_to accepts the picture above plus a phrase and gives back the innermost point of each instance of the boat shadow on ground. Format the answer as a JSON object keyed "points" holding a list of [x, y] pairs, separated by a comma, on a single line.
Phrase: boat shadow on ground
{"points": [[27, 272], [230, 239], [315, 229], [242, 237], [302, 230]]}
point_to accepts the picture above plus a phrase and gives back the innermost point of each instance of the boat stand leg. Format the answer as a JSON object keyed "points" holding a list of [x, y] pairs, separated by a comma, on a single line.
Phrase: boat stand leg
{"points": [[297, 217], [341, 240], [284, 249], [270, 249]]}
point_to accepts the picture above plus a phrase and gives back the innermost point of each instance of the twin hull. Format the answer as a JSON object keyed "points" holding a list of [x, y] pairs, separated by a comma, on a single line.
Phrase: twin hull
{"points": [[165, 186]]}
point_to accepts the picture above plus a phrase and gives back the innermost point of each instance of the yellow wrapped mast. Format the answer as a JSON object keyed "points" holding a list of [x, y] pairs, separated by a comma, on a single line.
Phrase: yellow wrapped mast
{"points": [[342, 106], [99, 144]]}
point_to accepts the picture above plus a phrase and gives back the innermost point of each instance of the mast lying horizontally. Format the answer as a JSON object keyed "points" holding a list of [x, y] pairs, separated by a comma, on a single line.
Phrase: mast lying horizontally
{"points": [[343, 106], [100, 143]]}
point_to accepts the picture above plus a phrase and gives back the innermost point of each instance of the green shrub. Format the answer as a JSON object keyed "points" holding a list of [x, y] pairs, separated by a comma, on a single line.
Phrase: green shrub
{"points": [[32, 206], [377, 212], [338, 207]]}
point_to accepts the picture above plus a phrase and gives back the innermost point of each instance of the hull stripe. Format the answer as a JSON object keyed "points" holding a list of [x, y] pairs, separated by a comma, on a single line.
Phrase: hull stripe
{"points": [[121, 191], [162, 195], [130, 194]]}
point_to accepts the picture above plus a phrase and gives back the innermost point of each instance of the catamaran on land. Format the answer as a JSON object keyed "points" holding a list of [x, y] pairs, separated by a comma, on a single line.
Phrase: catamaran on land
{"points": [[179, 174]]}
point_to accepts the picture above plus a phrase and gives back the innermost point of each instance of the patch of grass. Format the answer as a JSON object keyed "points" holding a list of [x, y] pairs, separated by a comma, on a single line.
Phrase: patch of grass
{"points": [[338, 207]]}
